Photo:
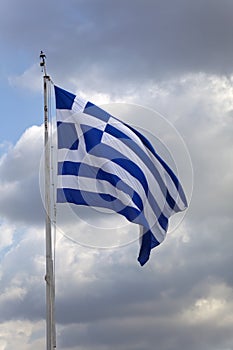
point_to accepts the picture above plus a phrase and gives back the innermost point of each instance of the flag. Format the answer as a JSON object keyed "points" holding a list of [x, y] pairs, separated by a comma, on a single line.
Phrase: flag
{"points": [[105, 163]]}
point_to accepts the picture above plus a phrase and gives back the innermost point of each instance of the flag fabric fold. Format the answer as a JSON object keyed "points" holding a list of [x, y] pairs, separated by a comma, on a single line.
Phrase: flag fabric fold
{"points": [[103, 162]]}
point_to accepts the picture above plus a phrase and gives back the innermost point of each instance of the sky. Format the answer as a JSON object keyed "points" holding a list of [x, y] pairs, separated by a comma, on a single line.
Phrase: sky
{"points": [[167, 67]]}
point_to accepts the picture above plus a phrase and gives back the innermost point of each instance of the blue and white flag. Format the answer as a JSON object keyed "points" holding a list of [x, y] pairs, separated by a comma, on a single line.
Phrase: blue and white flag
{"points": [[105, 163]]}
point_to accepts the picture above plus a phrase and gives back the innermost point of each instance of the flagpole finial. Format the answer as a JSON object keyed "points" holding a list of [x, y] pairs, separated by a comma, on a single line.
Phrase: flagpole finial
{"points": [[42, 62]]}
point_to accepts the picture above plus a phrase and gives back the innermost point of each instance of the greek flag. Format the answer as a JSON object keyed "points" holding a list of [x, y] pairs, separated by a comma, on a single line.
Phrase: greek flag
{"points": [[103, 162]]}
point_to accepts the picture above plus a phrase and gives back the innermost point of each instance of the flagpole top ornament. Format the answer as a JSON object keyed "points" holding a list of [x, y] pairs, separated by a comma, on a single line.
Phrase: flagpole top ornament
{"points": [[43, 62]]}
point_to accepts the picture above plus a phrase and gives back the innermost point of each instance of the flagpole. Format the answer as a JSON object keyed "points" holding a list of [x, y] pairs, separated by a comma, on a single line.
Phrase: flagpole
{"points": [[49, 277]]}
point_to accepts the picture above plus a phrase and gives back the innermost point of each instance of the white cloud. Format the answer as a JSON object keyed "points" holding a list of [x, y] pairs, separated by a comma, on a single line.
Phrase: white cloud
{"points": [[22, 335], [7, 234], [23, 159], [215, 306], [19, 178], [12, 293], [30, 79]]}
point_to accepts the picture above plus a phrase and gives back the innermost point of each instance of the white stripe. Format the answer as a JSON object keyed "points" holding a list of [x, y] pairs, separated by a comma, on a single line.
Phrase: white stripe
{"points": [[79, 104], [63, 115]]}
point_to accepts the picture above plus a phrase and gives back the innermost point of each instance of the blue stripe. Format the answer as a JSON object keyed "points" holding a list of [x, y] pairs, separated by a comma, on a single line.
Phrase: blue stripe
{"points": [[77, 169], [97, 112], [107, 197], [148, 242], [115, 132], [86, 198], [68, 168], [102, 201]]}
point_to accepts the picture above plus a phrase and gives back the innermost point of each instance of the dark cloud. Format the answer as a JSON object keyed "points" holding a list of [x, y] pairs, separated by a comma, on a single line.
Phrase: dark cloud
{"points": [[129, 43], [124, 308], [101, 43], [21, 202]]}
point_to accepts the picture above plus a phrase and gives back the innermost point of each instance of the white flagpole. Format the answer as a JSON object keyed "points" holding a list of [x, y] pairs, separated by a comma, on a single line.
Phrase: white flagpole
{"points": [[49, 277]]}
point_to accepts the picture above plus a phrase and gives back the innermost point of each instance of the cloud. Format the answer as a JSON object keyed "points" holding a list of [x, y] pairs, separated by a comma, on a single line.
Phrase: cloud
{"points": [[19, 179], [6, 239], [30, 79], [17, 334], [136, 312], [123, 44], [104, 299]]}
